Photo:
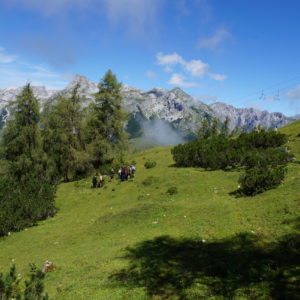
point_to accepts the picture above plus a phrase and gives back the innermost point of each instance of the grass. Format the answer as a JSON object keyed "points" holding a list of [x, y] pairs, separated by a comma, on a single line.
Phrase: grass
{"points": [[135, 241]]}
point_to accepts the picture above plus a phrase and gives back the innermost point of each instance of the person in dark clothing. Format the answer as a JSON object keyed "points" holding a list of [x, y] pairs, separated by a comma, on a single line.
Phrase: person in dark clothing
{"points": [[94, 181]]}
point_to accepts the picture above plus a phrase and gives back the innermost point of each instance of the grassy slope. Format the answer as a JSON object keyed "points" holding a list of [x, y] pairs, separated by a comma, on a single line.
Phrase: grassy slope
{"points": [[86, 239]]}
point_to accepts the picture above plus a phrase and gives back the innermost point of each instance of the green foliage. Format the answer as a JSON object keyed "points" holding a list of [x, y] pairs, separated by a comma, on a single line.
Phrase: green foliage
{"points": [[24, 202], [21, 142], [220, 152], [172, 190], [26, 192], [64, 136], [259, 179], [259, 152], [34, 287], [149, 164], [105, 133]]}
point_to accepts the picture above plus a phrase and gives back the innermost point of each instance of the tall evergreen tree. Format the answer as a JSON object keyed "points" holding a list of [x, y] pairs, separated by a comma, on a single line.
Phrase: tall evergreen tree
{"points": [[105, 128], [26, 193], [63, 135], [22, 145]]}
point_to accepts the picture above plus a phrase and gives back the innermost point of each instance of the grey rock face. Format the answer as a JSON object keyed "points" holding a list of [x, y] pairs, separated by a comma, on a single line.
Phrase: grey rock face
{"points": [[249, 117], [174, 107]]}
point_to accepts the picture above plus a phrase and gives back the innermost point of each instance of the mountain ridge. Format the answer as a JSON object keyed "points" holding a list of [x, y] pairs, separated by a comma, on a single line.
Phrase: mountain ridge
{"points": [[179, 110]]}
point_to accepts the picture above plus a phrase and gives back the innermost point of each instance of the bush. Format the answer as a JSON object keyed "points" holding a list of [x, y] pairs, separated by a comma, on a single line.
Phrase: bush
{"points": [[24, 203], [34, 287], [258, 180], [172, 190], [149, 164]]}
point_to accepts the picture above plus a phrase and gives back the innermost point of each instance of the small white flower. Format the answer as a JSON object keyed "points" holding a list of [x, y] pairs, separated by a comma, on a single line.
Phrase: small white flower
{"points": [[239, 186], [8, 233], [203, 241], [154, 222], [184, 216]]}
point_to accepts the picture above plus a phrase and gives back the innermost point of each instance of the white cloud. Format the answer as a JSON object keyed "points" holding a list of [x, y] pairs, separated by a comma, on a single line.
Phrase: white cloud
{"points": [[6, 58], [169, 59], [151, 75], [196, 68], [179, 80], [213, 42], [218, 77], [294, 94]]}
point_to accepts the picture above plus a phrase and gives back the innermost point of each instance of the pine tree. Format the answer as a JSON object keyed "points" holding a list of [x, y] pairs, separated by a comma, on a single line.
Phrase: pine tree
{"points": [[63, 135], [22, 145], [105, 129], [26, 193]]}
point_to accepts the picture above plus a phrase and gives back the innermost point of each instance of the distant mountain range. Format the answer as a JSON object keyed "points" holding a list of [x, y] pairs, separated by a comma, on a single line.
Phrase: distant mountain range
{"points": [[175, 113]]}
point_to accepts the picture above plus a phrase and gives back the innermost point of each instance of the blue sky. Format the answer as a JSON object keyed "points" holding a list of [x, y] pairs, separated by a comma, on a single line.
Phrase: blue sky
{"points": [[241, 52]]}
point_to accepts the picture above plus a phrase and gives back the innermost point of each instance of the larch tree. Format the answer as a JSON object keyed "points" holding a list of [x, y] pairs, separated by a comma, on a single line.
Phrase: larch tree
{"points": [[63, 135], [106, 136]]}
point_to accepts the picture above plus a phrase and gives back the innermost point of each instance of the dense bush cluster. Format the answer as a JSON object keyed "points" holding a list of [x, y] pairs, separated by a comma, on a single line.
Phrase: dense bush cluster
{"points": [[259, 151]]}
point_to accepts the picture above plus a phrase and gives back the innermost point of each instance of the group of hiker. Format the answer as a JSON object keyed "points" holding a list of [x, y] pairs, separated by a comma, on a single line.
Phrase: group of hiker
{"points": [[124, 173]]}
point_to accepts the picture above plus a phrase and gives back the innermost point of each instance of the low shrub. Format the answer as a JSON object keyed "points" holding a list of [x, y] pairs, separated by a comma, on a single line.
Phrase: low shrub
{"points": [[149, 164], [258, 180], [10, 287], [172, 190]]}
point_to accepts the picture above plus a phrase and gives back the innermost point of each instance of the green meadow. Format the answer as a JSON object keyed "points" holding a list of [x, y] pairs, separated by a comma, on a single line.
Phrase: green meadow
{"points": [[132, 240]]}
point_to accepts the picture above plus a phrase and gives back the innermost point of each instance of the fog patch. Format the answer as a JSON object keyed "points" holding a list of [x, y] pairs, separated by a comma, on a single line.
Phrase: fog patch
{"points": [[161, 133]]}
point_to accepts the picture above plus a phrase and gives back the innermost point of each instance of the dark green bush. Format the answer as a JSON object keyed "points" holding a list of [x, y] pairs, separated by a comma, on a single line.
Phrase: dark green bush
{"points": [[260, 152], [24, 203], [257, 180], [149, 164], [172, 190]]}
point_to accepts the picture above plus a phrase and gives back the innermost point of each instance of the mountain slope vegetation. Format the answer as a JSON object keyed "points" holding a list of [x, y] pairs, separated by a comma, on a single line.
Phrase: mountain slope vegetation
{"points": [[133, 240]]}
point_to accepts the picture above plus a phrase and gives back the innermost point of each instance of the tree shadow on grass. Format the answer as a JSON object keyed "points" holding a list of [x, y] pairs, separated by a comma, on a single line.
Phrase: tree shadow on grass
{"points": [[239, 266]]}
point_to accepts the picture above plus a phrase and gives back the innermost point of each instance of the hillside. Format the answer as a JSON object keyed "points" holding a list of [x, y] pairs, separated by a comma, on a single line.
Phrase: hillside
{"points": [[190, 236]]}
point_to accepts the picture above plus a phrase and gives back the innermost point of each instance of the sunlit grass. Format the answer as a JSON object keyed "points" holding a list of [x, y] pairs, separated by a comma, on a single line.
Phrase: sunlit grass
{"points": [[87, 237]]}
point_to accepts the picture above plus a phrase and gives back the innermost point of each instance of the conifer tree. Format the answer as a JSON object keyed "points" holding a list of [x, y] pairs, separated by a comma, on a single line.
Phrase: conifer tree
{"points": [[26, 193], [63, 135], [105, 129], [22, 145]]}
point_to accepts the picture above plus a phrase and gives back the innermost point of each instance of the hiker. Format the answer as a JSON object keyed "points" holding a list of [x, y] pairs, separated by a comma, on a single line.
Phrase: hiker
{"points": [[129, 172], [120, 173], [101, 181], [112, 174], [132, 170], [94, 181]]}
